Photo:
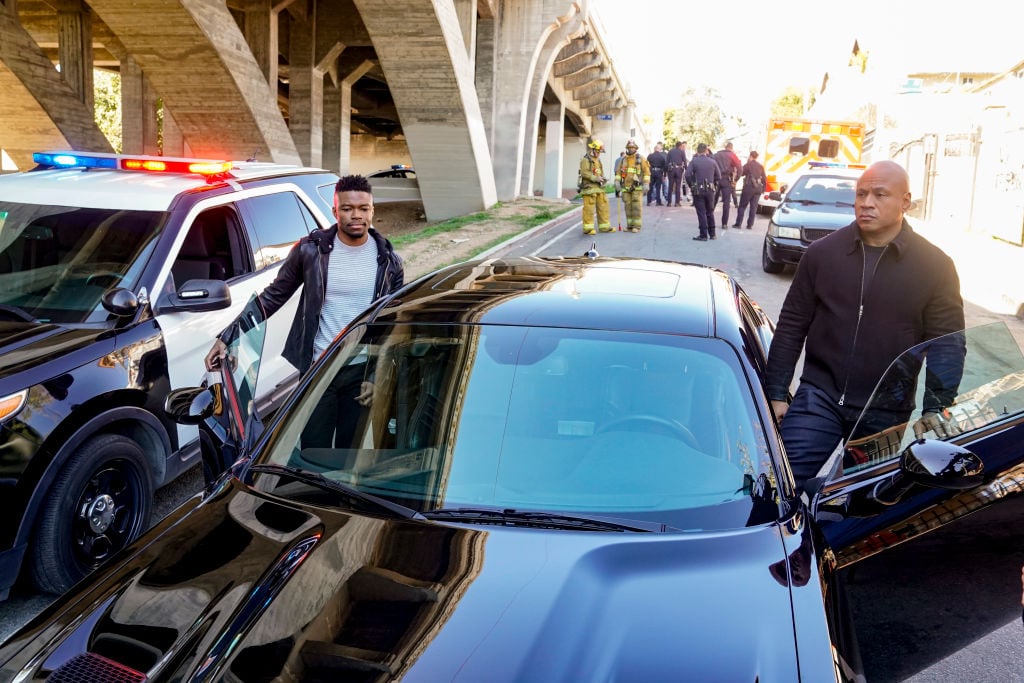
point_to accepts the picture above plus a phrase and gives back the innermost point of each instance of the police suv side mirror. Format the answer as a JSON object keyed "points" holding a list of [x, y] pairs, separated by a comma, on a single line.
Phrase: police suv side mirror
{"points": [[197, 295], [191, 405]]}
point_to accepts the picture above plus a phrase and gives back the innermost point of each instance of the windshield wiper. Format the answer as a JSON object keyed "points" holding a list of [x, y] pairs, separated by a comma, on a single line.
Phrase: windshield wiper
{"points": [[850, 204], [551, 520], [6, 310], [319, 480], [804, 202]]}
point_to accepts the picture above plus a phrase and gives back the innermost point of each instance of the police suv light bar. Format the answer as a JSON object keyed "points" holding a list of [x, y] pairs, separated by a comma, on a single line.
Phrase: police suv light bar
{"points": [[833, 164], [204, 167]]}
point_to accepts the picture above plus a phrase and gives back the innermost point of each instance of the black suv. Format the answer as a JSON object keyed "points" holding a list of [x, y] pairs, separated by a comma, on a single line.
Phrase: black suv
{"points": [[116, 273]]}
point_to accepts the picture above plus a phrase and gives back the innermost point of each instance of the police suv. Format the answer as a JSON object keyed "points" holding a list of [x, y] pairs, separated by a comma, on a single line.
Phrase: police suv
{"points": [[116, 273]]}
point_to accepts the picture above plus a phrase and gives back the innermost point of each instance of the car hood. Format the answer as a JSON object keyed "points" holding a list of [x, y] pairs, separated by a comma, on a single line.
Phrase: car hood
{"points": [[813, 216], [26, 345], [247, 587]]}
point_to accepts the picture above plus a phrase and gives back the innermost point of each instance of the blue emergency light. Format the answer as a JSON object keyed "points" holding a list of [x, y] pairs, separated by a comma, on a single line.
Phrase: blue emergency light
{"points": [[71, 160]]}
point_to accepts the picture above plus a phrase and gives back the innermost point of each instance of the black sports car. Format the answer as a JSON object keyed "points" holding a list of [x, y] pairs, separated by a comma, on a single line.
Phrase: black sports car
{"points": [[558, 470]]}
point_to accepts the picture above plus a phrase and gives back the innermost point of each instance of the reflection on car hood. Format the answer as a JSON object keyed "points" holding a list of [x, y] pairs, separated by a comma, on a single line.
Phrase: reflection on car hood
{"points": [[25, 345], [247, 588], [813, 216]]}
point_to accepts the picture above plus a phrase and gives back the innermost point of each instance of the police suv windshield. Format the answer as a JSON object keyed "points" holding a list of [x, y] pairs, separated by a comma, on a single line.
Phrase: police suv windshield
{"points": [[56, 262]]}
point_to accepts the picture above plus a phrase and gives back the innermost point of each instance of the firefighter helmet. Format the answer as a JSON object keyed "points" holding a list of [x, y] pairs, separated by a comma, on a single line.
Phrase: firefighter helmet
{"points": [[596, 144], [632, 143]]}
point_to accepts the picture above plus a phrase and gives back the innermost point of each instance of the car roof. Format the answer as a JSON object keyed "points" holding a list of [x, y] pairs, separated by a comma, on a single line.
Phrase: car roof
{"points": [[593, 293], [118, 189]]}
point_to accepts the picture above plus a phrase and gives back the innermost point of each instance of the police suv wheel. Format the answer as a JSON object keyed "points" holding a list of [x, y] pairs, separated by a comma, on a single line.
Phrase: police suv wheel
{"points": [[99, 504]]}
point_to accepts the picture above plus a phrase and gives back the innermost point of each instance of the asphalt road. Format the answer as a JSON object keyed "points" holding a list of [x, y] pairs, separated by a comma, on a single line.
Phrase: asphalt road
{"points": [[944, 607]]}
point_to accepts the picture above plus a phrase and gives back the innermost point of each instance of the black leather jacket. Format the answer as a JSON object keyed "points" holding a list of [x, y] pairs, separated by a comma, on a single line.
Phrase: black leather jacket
{"points": [[306, 266], [855, 326]]}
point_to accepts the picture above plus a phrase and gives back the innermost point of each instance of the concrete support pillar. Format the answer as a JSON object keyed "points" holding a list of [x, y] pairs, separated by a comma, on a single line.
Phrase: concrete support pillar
{"points": [[305, 93], [173, 141], [74, 47], [467, 13], [332, 122], [554, 149], [261, 36], [484, 74], [133, 111], [341, 133]]}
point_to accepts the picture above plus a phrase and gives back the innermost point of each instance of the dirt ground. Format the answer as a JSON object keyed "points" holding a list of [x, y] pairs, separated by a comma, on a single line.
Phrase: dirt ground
{"points": [[405, 225]]}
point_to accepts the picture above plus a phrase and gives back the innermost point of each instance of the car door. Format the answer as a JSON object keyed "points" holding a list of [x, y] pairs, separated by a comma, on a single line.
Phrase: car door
{"points": [[238, 421], [902, 472]]}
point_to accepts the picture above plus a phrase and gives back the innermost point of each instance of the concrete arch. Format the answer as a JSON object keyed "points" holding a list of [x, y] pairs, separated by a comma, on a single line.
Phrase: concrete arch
{"points": [[569, 27], [39, 110], [436, 101], [230, 111]]}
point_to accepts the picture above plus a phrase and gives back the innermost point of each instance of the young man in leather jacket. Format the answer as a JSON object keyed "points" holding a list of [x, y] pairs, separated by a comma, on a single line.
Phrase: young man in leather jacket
{"points": [[342, 270]]}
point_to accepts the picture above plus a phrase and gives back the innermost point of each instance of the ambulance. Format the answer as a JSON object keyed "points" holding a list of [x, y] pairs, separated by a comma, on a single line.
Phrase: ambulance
{"points": [[793, 143]]}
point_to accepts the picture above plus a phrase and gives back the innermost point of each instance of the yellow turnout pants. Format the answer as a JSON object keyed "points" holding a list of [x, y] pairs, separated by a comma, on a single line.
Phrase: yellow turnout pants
{"points": [[598, 203]]}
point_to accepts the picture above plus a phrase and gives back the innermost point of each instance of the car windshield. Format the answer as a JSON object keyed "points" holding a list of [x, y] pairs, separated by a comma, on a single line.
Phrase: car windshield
{"points": [[976, 376], [57, 261], [625, 425], [818, 189]]}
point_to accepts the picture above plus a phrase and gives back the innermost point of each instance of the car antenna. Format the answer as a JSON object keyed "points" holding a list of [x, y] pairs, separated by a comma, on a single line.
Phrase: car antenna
{"points": [[251, 159], [592, 252]]}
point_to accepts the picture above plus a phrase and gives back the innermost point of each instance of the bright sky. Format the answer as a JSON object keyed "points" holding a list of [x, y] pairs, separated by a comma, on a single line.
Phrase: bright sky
{"points": [[751, 50]]}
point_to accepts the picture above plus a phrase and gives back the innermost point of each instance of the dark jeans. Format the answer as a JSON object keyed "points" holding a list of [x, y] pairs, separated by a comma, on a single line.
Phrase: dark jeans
{"points": [[727, 193], [747, 199], [655, 190], [334, 421], [815, 424], [704, 203], [675, 185]]}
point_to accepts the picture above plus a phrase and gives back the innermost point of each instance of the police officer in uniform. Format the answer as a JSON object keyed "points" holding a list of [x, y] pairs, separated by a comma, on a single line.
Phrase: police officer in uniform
{"points": [[658, 162], [676, 169], [633, 181], [753, 186], [591, 187], [703, 177], [730, 166]]}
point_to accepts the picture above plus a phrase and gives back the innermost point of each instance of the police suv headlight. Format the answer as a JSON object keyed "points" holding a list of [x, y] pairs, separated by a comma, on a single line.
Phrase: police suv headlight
{"points": [[779, 231]]}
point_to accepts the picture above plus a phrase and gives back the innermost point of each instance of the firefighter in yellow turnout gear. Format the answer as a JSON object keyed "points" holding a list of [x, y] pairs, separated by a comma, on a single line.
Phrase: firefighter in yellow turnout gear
{"points": [[591, 187], [633, 181]]}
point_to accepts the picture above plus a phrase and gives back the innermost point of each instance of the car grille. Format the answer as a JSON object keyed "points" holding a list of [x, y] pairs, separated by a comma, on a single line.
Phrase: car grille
{"points": [[89, 667], [811, 234]]}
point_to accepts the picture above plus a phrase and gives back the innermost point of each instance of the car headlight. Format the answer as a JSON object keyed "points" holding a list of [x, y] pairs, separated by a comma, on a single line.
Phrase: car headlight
{"points": [[10, 405], [779, 231]]}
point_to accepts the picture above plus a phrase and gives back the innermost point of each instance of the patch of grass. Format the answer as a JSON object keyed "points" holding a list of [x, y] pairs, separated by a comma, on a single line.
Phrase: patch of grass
{"points": [[543, 214], [449, 225]]}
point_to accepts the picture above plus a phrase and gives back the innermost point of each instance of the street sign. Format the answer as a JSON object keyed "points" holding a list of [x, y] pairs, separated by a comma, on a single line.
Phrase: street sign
{"points": [[604, 117]]}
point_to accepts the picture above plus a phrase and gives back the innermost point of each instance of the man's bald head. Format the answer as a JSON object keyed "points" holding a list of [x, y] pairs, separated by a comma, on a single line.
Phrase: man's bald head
{"points": [[883, 196]]}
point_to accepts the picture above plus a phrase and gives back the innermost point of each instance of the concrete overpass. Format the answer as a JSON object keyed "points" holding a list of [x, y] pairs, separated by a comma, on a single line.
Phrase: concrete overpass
{"points": [[489, 99]]}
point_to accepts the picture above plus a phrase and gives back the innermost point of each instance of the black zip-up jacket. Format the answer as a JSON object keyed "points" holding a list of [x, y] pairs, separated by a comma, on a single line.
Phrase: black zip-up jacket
{"points": [[854, 331], [306, 264]]}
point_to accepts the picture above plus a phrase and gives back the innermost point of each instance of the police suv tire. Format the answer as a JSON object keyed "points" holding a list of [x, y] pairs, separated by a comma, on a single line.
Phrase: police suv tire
{"points": [[767, 264], [99, 503]]}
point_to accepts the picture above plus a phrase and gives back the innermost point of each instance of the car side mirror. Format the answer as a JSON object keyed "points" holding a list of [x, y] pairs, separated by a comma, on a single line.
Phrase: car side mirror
{"points": [[932, 463], [197, 295], [191, 405], [120, 301]]}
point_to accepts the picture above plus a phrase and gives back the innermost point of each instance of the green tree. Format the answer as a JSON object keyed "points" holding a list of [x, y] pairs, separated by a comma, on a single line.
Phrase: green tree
{"points": [[698, 118], [107, 105], [791, 103]]}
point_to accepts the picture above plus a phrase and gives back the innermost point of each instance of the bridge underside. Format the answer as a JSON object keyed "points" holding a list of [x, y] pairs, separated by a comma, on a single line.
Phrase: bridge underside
{"points": [[465, 90]]}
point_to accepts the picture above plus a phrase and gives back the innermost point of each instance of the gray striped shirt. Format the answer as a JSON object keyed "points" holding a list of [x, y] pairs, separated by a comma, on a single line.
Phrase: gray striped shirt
{"points": [[351, 275]]}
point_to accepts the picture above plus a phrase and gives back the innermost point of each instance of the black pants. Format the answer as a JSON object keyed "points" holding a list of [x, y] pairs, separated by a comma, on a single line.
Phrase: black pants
{"points": [[655, 189], [704, 203], [675, 185], [727, 192], [334, 421]]}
